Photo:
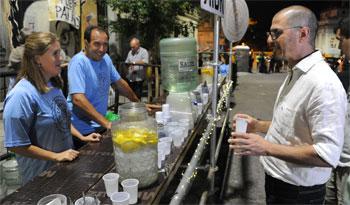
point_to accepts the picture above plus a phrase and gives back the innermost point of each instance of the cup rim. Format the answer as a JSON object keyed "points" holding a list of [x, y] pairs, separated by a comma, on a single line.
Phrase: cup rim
{"points": [[90, 197], [53, 196], [125, 195], [110, 176], [241, 118], [136, 182]]}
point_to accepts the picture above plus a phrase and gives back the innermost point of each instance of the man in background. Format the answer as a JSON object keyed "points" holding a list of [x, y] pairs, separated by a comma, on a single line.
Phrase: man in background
{"points": [[135, 60]]}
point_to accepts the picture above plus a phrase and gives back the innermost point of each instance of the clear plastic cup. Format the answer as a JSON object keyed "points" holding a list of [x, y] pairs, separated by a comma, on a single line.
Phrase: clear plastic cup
{"points": [[53, 199], [120, 198], [88, 200], [176, 135], [131, 186], [165, 145], [111, 183], [166, 109], [241, 125]]}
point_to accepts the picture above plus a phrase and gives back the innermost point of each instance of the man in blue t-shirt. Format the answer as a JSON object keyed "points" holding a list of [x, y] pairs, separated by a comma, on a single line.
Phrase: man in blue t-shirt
{"points": [[90, 73]]}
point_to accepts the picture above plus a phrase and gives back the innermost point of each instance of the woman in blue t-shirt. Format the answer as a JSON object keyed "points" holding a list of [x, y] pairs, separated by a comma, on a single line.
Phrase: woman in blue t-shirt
{"points": [[36, 119]]}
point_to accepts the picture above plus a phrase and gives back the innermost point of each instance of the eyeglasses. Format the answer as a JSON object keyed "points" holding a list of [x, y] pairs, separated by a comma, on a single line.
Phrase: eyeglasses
{"points": [[276, 33]]}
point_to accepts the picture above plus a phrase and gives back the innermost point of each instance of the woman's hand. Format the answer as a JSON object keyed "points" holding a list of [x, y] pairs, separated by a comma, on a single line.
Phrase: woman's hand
{"points": [[93, 137], [68, 155]]}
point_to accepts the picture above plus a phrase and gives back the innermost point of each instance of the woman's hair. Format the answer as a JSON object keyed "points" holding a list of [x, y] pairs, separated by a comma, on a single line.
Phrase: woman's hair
{"points": [[344, 27], [36, 45]]}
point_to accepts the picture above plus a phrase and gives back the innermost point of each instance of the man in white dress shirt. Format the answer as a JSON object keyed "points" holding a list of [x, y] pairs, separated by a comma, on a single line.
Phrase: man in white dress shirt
{"points": [[305, 137]]}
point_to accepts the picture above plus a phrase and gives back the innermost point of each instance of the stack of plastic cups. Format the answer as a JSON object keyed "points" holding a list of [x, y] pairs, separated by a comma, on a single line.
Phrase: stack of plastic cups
{"points": [[159, 117], [161, 157], [185, 123], [160, 125], [166, 113], [199, 108], [205, 98], [165, 144], [178, 135]]}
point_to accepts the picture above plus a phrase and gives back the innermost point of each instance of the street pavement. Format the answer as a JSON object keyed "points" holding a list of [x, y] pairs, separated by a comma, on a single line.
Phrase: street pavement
{"points": [[255, 95]]}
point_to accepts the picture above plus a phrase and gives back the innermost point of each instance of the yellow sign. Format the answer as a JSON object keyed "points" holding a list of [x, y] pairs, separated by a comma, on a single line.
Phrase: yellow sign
{"points": [[88, 16]]}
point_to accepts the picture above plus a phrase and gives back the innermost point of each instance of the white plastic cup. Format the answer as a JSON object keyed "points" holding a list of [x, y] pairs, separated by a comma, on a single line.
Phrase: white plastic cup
{"points": [[120, 198], [241, 125], [53, 199], [131, 186], [166, 109], [159, 117], [88, 201], [111, 183]]}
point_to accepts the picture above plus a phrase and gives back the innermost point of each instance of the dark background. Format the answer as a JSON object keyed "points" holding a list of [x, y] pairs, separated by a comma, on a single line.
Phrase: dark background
{"points": [[263, 11]]}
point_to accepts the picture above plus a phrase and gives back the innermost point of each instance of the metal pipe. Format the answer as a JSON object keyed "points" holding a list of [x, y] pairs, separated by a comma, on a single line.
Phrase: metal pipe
{"points": [[186, 181], [229, 75], [221, 136], [227, 171], [214, 98]]}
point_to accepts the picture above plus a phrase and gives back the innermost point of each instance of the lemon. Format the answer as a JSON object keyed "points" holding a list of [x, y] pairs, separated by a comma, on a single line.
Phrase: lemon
{"points": [[129, 146], [133, 138]]}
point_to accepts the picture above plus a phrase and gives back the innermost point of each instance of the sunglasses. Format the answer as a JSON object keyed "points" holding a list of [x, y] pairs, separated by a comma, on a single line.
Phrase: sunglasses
{"points": [[276, 32]]}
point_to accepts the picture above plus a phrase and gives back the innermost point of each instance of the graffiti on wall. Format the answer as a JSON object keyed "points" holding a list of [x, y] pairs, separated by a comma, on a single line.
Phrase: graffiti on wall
{"points": [[18, 14], [16, 18]]}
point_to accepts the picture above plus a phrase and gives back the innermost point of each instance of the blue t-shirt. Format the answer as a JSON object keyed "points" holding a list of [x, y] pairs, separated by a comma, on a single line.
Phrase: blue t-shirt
{"points": [[93, 79], [33, 118], [224, 69]]}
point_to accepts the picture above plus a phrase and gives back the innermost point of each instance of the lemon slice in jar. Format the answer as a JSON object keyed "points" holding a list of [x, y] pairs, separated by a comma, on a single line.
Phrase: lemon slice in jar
{"points": [[129, 146]]}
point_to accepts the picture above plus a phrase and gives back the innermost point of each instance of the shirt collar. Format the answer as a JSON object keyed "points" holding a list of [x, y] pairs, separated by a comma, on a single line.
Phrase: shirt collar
{"points": [[136, 52], [309, 61]]}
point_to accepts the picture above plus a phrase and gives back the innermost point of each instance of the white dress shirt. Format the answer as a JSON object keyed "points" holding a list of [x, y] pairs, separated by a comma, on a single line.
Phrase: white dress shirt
{"points": [[310, 110]]}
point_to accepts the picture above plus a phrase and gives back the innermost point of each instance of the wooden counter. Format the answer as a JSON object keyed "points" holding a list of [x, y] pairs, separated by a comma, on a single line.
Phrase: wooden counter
{"points": [[85, 174]]}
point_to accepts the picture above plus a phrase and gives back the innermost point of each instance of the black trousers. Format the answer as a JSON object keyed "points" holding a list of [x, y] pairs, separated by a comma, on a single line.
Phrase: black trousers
{"points": [[136, 86], [279, 192]]}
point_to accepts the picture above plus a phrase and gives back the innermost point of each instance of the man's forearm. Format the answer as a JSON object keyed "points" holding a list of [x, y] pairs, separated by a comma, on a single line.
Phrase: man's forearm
{"points": [[303, 154], [33, 151], [125, 90]]}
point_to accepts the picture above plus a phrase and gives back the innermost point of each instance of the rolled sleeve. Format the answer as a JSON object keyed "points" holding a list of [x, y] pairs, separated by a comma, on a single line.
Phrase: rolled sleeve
{"points": [[327, 119], [18, 116]]}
